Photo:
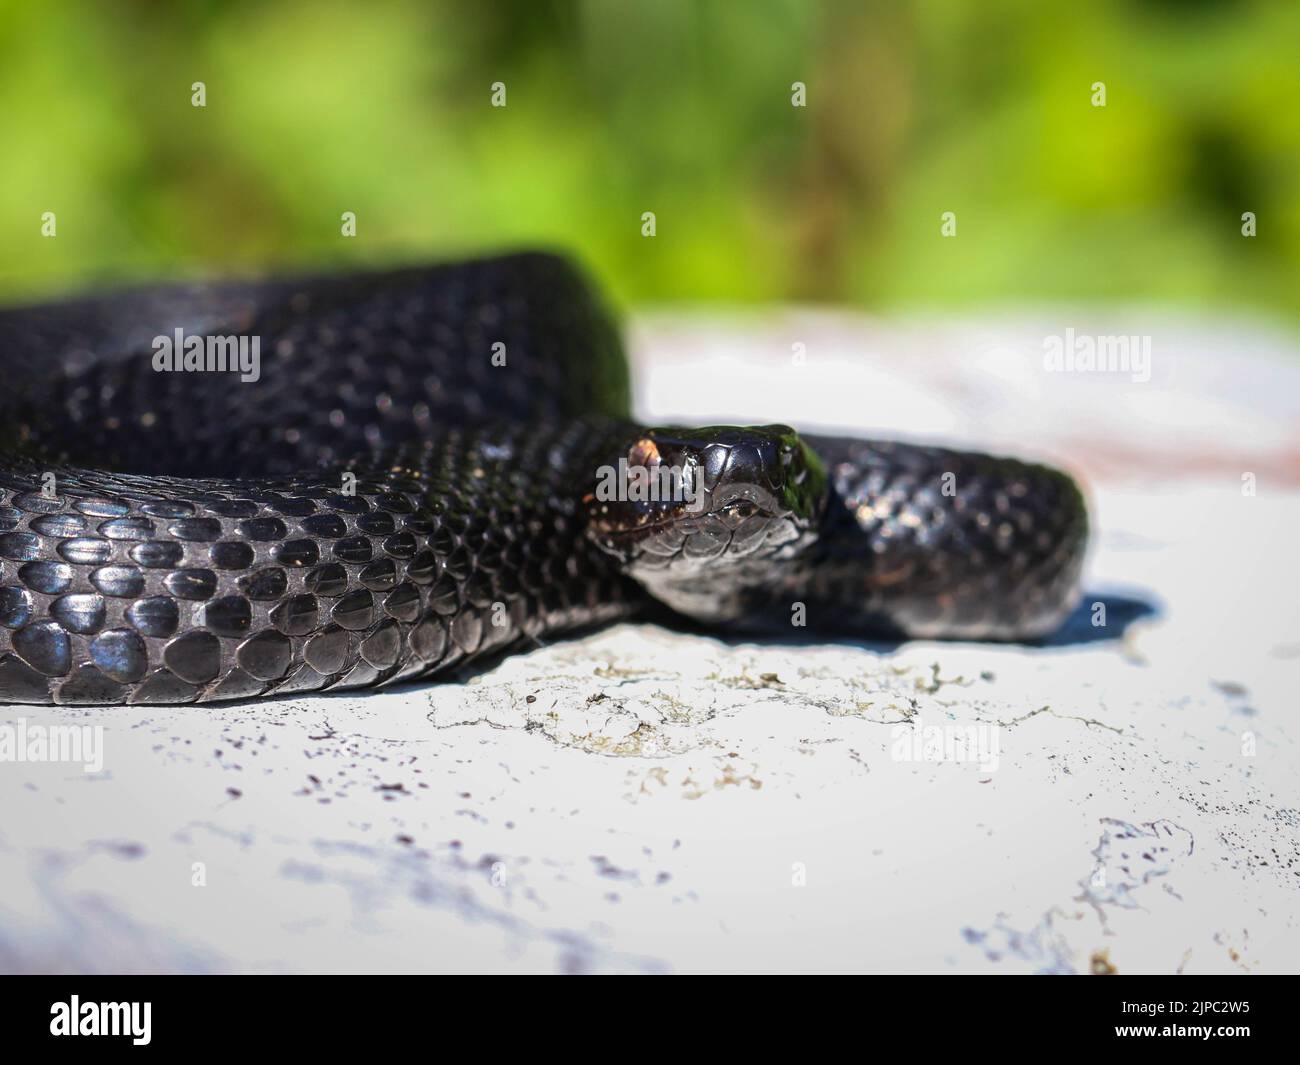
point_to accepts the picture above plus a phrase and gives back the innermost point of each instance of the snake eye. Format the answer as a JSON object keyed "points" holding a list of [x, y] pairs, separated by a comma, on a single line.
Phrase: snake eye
{"points": [[645, 452]]}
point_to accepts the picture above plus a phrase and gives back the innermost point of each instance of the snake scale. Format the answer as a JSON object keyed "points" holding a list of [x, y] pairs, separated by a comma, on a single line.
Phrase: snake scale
{"points": [[419, 476]]}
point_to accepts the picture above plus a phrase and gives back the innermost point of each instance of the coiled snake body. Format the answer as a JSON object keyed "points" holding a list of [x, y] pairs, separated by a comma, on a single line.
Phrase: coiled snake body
{"points": [[418, 477]]}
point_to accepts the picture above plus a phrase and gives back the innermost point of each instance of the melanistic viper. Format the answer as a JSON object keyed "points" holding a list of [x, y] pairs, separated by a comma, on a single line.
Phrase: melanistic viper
{"points": [[429, 465]]}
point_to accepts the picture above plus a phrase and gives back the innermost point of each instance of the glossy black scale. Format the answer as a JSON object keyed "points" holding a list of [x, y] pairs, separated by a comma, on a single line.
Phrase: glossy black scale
{"points": [[202, 543]]}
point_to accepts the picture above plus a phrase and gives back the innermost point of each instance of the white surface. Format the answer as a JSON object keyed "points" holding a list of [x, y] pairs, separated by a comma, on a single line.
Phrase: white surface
{"points": [[648, 801]]}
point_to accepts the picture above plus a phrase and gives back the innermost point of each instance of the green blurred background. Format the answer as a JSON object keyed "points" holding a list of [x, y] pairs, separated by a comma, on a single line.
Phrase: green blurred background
{"points": [[681, 107]]}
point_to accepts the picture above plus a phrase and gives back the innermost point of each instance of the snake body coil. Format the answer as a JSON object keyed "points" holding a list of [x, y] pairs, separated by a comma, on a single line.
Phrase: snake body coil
{"points": [[417, 477]]}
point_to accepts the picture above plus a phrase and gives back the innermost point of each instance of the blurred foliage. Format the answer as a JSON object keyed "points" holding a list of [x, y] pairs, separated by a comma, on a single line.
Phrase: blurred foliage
{"points": [[681, 107]]}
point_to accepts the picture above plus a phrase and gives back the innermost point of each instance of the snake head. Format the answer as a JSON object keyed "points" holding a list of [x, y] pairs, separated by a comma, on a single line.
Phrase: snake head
{"points": [[695, 514]]}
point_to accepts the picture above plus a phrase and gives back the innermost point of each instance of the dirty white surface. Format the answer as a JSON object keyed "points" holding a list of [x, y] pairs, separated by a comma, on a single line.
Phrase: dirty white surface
{"points": [[642, 800]]}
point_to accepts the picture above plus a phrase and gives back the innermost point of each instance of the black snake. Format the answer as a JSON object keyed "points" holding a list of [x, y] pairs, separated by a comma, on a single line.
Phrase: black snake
{"points": [[432, 465]]}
